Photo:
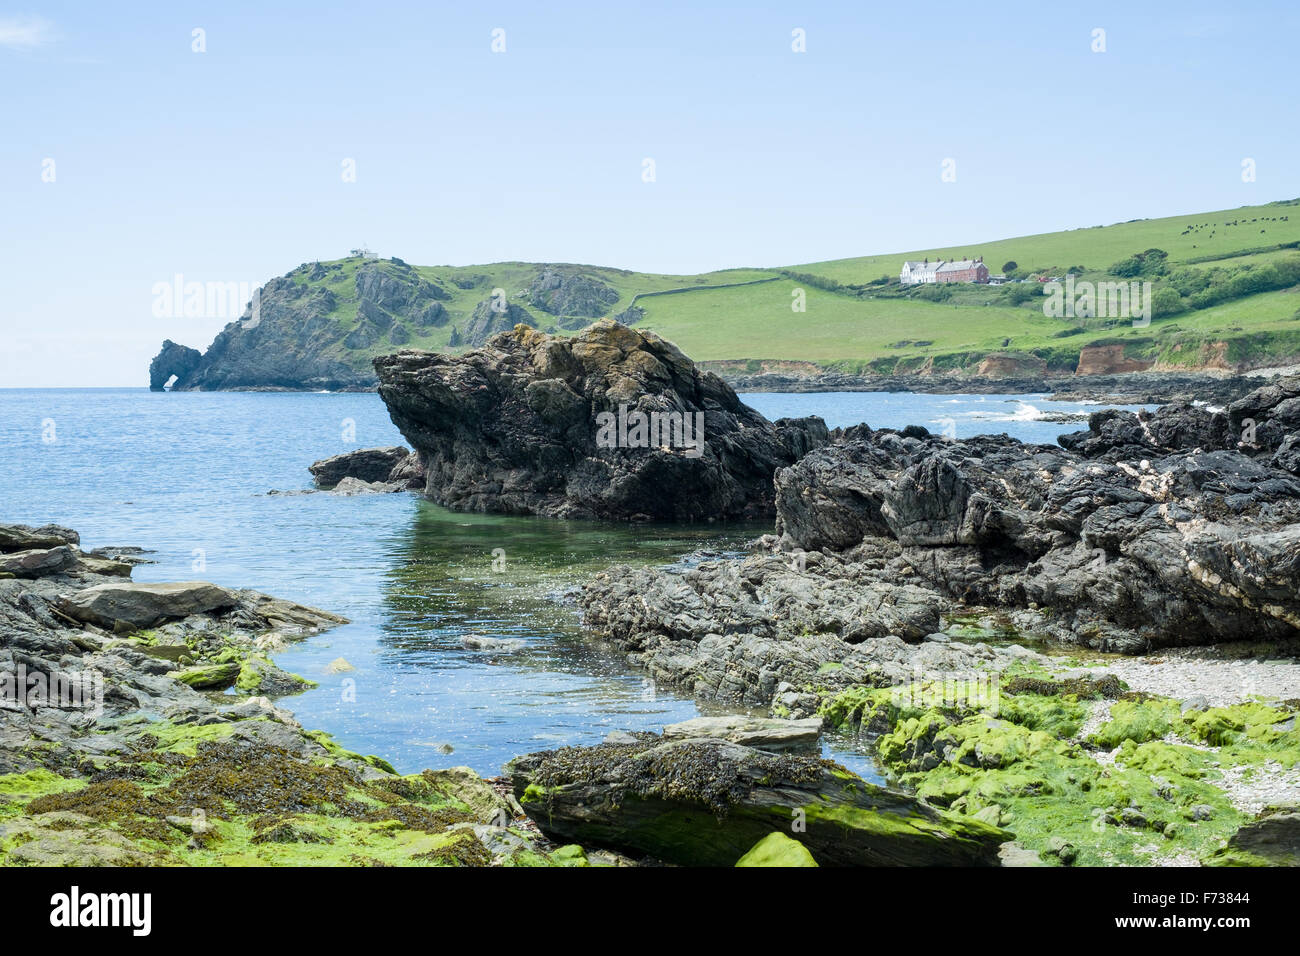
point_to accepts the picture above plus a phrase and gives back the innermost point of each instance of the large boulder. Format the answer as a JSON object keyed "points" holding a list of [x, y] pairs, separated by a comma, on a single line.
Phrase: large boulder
{"points": [[364, 464], [708, 802], [131, 605], [608, 423], [762, 733]]}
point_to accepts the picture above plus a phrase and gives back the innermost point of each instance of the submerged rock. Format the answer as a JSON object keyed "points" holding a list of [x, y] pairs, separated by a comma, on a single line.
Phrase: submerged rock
{"points": [[709, 802], [608, 423]]}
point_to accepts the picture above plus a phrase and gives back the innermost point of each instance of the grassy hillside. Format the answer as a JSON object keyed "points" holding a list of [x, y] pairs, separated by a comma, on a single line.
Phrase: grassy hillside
{"points": [[858, 319], [1187, 239], [467, 286], [1229, 281]]}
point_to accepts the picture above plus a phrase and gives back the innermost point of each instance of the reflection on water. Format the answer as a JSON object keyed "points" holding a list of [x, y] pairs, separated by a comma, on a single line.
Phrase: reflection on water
{"points": [[418, 692]]}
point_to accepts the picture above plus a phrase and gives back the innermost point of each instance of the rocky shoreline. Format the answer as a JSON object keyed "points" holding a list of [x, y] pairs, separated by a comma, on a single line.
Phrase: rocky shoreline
{"points": [[139, 729], [957, 605], [118, 746], [1121, 388], [903, 563], [908, 573]]}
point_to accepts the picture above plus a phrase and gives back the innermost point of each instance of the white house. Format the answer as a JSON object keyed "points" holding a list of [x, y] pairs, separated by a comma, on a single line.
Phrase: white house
{"points": [[916, 273]]}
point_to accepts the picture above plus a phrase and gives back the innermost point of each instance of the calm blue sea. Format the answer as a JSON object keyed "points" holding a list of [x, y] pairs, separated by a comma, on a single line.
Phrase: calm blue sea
{"points": [[187, 476]]}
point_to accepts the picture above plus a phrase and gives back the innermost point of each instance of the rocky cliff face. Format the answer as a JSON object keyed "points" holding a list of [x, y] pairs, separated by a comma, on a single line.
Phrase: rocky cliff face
{"points": [[608, 423], [314, 328], [320, 325], [1108, 360], [487, 320], [562, 293], [291, 342]]}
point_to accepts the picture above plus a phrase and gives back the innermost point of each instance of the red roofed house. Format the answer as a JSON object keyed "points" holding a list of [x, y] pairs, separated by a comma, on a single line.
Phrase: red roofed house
{"points": [[962, 270]]}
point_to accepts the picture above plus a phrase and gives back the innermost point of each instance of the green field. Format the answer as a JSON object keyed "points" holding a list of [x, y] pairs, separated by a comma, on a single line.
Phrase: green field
{"points": [[1185, 238], [1230, 300]]}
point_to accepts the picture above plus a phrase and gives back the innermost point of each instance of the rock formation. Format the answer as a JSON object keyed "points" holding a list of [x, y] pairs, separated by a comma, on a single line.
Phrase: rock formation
{"points": [[174, 359], [488, 319], [1147, 531], [564, 293], [306, 331], [608, 423], [395, 465], [707, 802]]}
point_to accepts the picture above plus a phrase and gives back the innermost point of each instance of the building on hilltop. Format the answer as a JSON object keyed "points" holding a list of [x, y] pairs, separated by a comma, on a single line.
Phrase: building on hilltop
{"points": [[957, 270], [962, 270], [917, 273]]}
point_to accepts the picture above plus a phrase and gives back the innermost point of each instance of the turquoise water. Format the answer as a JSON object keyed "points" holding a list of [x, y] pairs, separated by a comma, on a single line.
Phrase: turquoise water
{"points": [[186, 475]]}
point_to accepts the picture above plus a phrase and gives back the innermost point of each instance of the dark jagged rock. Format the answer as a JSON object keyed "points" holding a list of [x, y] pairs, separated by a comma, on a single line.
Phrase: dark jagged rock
{"points": [[1262, 425], [1181, 548], [1113, 434], [173, 359], [1267, 422], [1151, 531], [522, 426], [706, 802], [365, 464], [488, 319], [762, 630], [566, 293]]}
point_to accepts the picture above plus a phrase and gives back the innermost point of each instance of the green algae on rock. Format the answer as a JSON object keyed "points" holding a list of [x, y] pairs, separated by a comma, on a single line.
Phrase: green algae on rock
{"points": [[1148, 785], [777, 849], [707, 802]]}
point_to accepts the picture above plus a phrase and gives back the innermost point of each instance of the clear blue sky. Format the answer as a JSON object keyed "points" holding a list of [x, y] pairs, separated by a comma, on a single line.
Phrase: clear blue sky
{"points": [[225, 165]]}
